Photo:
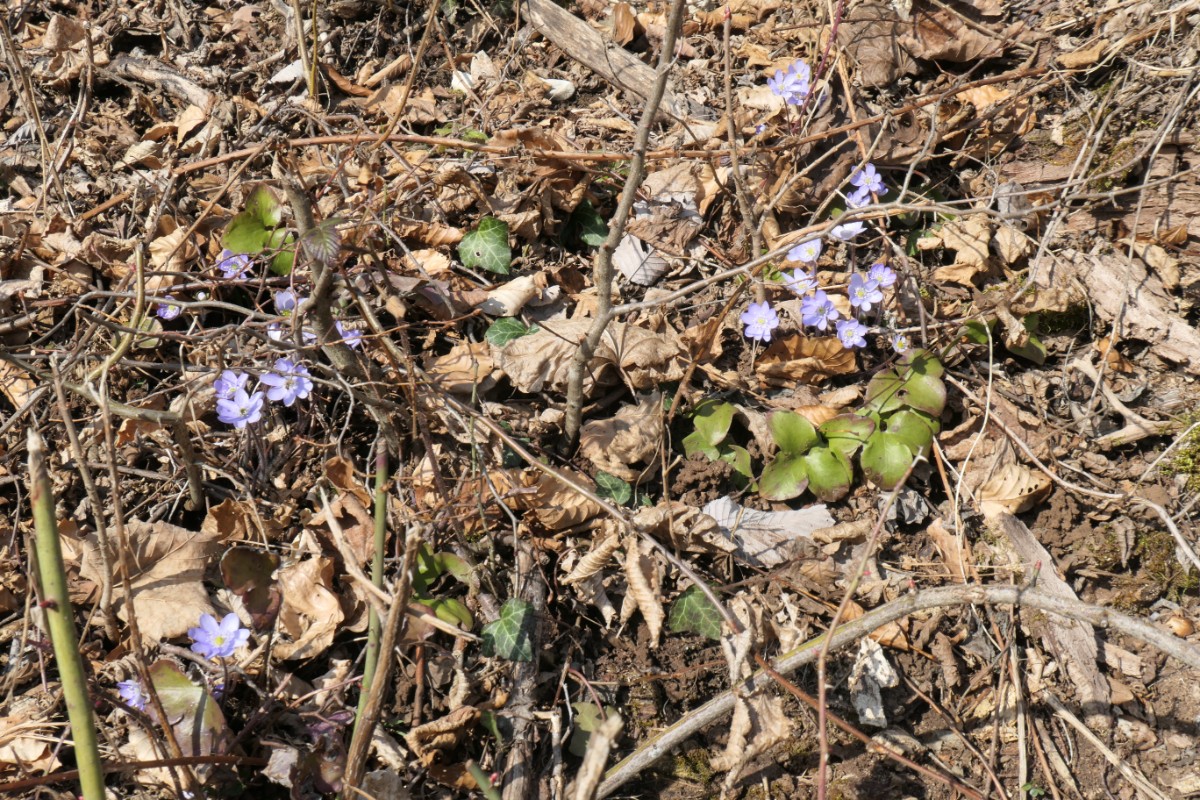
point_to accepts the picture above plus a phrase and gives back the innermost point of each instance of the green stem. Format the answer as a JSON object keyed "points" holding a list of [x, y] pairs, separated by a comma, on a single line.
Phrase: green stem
{"points": [[483, 781], [374, 624], [57, 606]]}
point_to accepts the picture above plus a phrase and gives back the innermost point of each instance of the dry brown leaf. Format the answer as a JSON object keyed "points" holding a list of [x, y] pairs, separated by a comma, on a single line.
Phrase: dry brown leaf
{"points": [[803, 359], [16, 384], [1013, 488], [968, 237], [625, 26], [870, 36], [311, 614], [685, 528], [1113, 358], [1012, 244], [758, 723], [467, 369], [596, 559], [955, 551], [890, 635], [554, 504], [434, 744], [639, 262], [817, 415], [630, 437], [167, 565], [170, 254], [937, 33], [642, 575], [1084, 56], [1162, 264]]}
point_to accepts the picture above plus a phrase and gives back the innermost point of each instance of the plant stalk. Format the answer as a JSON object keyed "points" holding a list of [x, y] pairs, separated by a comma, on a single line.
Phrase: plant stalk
{"points": [[374, 624]]}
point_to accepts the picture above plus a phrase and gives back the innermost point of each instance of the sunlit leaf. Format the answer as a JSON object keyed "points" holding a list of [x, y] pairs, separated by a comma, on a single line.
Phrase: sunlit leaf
{"points": [[712, 419], [505, 330], [486, 247], [508, 637], [913, 428], [830, 475], [885, 459], [793, 434], [693, 612], [846, 432], [613, 488], [783, 479]]}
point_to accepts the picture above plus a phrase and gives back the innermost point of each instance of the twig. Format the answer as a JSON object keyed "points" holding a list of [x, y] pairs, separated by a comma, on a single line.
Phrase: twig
{"points": [[422, 46], [374, 622], [603, 272], [851, 631]]}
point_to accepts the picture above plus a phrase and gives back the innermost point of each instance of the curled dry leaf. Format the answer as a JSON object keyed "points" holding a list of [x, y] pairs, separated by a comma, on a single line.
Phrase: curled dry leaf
{"points": [[969, 238], [310, 614], [758, 723], [555, 505], [638, 262], [890, 635], [803, 359], [509, 299], [467, 369], [642, 575], [685, 528], [767, 538], [630, 437], [871, 673], [596, 559], [1013, 489], [434, 744]]}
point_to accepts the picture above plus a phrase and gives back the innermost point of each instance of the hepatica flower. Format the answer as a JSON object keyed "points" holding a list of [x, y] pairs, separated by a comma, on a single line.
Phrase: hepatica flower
{"points": [[288, 382], [859, 197], [133, 694], [214, 639], [240, 410], [760, 319], [851, 333], [800, 282], [168, 311], [805, 252], [351, 337], [286, 301], [864, 293], [900, 343], [793, 84], [882, 274], [867, 178], [228, 383], [233, 266], [847, 230], [818, 310]]}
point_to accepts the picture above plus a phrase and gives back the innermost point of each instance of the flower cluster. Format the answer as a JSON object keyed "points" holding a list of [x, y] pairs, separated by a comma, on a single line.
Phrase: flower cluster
{"points": [[288, 382], [866, 182], [792, 84]]}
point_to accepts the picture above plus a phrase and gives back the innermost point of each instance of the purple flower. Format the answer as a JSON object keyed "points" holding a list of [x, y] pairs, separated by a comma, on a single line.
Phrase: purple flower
{"points": [[760, 128], [800, 282], [289, 382], [168, 311], [229, 383], [233, 266], [277, 332], [805, 252], [858, 198], [218, 639], [882, 274], [864, 293], [900, 343], [133, 694], [760, 319], [791, 85], [286, 301], [867, 178], [818, 310], [847, 230], [240, 410], [851, 333], [350, 337]]}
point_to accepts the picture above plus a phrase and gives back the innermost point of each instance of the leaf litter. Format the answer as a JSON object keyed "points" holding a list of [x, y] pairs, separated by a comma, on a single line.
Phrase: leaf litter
{"points": [[1036, 182]]}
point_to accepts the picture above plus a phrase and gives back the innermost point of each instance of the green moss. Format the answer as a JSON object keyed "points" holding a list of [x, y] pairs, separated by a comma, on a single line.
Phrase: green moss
{"points": [[1156, 552], [1186, 458], [692, 765]]}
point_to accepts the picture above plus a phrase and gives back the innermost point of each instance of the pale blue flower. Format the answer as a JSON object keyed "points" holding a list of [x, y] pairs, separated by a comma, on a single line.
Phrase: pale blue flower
{"points": [[287, 301], [240, 410], [800, 282], [214, 639], [851, 333], [858, 198], [760, 319], [233, 266], [792, 85], [289, 382], [133, 694], [868, 178], [168, 311], [805, 252], [818, 310], [351, 337], [863, 293], [228, 383], [847, 230], [900, 343], [882, 274]]}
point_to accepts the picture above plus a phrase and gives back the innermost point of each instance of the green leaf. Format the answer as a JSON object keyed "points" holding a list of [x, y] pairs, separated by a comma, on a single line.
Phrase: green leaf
{"points": [[793, 434], [924, 392], [913, 428], [197, 719], [783, 479], [486, 247], [846, 432], [429, 569], [829, 473], [507, 329], [739, 457], [712, 419], [282, 242], [592, 228], [693, 612], [151, 326], [587, 719], [974, 331], [508, 637], [922, 362], [245, 234], [448, 562], [885, 459], [613, 488], [1033, 349], [885, 393], [263, 206], [452, 611]]}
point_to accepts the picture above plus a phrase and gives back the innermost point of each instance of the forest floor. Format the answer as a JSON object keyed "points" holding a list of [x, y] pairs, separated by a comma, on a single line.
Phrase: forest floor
{"points": [[900, 310]]}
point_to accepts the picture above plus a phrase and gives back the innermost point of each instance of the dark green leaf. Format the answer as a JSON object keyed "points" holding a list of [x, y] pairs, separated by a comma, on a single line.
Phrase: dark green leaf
{"points": [[793, 434], [592, 228], [505, 330], [783, 479], [486, 247], [508, 637], [885, 459], [693, 612], [613, 488]]}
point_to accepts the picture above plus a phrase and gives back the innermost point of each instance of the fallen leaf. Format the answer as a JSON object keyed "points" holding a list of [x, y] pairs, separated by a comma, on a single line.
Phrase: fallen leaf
{"points": [[937, 33], [644, 580], [803, 359], [1084, 56], [1013, 489], [467, 369], [311, 613], [633, 435], [968, 237], [767, 538]]}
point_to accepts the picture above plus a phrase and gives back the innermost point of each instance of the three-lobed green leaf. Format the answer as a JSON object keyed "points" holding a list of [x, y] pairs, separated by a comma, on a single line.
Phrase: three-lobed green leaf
{"points": [[693, 612], [509, 636]]}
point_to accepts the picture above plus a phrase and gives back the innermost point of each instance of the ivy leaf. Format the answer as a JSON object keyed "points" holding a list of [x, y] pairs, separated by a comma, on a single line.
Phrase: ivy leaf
{"points": [[613, 488], [885, 459], [784, 478], [592, 228], [487, 247], [508, 637], [505, 330], [693, 612], [793, 434]]}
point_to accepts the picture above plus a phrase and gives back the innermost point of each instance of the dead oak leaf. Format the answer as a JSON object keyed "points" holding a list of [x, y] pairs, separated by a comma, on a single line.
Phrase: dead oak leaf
{"points": [[939, 34], [633, 435], [310, 613], [803, 359]]}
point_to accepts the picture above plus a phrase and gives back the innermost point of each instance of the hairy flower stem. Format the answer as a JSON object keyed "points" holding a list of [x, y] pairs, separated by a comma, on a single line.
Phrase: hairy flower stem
{"points": [[374, 623], [56, 604], [602, 275]]}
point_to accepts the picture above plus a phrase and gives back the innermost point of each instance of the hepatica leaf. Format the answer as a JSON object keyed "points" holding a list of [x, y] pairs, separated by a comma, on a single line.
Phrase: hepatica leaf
{"points": [[486, 247], [508, 637], [693, 612]]}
